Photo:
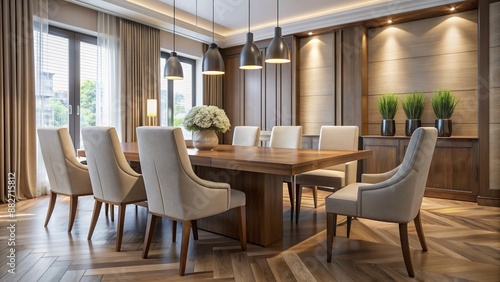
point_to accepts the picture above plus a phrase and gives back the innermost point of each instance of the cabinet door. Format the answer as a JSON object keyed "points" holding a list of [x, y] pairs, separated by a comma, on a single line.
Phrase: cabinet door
{"points": [[385, 156]]}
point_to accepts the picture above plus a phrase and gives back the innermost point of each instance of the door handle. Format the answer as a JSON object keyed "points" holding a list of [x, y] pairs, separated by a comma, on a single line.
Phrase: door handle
{"points": [[70, 109], [77, 110]]}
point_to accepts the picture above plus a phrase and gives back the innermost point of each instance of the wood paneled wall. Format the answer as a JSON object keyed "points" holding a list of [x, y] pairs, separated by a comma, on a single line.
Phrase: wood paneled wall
{"points": [[426, 55], [331, 79], [494, 98], [264, 97]]}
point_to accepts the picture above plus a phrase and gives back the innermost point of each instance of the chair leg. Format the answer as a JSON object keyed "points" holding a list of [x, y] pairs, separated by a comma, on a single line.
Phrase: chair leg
{"points": [[331, 226], [150, 228], [119, 230], [194, 225], [242, 227], [73, 204], [315, 196], [349, 221], [405, 247], [106, 208], [95, 217], [52, 204], [112, 212], [420, 232], [174, 230], [298, 201], [186, 226], [290, 194]]}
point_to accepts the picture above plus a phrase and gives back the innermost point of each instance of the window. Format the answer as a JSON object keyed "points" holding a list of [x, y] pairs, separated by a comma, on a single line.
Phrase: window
{"points": [[177, 97], [68, 66]]}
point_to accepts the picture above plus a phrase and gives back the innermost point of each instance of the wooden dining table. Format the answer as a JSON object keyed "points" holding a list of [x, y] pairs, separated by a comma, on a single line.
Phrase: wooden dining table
{"points": [[257, 171]]}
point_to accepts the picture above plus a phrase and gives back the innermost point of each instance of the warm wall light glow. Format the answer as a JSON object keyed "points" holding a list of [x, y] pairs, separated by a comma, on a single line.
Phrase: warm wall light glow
{"points": [[151, 108], [389, 21], [310, 33], [452, 9]]}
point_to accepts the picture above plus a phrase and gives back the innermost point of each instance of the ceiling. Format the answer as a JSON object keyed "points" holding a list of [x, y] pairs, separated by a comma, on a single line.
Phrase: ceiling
{"points": [[194, 17]]}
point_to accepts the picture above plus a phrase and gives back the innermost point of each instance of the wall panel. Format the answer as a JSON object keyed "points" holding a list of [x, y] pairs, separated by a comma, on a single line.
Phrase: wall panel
{"points": [[494, 98], [426, 55], [423, 38], [263, 97], [331, 72]]}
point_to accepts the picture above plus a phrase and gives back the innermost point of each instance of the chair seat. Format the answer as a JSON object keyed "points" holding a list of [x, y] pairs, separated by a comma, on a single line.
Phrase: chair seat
{"points": [[322, 177], [345, 200], [237, 199]]}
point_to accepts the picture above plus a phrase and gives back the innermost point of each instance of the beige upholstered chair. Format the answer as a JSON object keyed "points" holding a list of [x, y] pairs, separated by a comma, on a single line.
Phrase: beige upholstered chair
{"points": [[246, 136], [174, 191], [113, 180], [288, 137], [67, 176], [397, 198], [338, 176]]}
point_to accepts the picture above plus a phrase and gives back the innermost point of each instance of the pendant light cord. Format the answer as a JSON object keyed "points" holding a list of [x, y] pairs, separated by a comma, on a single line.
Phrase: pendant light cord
{"points": [[249, 16], [213, 21], [174, 25], [277, 12]]}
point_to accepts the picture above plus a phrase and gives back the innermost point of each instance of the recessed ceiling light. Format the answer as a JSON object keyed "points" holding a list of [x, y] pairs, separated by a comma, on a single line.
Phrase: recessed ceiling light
{"points": [[389, 21], [310, 33], [452, 9]]}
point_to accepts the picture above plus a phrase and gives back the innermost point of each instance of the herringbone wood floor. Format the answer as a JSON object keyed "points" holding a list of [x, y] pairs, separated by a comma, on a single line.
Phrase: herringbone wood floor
{"points": [[463, 240]]}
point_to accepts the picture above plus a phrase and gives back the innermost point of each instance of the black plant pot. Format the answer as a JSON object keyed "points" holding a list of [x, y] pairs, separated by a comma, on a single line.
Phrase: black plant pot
{"points": [[411, 125], [444, 127], [388, 127]]}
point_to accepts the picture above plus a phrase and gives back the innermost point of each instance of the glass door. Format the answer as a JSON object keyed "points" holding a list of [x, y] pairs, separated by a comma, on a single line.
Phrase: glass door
{"points": [[69, 69]]}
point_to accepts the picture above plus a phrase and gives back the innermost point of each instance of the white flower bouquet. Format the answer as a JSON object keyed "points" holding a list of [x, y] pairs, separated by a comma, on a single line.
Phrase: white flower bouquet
{"points": [[206, 118]]}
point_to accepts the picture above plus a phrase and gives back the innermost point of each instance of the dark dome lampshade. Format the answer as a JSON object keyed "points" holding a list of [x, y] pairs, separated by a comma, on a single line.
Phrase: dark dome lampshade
{"points": [[213, 64], [277, 52], [173, 68], [250, 55]]}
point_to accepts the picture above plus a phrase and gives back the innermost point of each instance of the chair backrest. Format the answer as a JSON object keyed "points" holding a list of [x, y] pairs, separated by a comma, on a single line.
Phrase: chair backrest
{"points": [[402, 197], [112, 177], [66, 174], [172, 187], [289, 137], [339, 138], [246, 136]]}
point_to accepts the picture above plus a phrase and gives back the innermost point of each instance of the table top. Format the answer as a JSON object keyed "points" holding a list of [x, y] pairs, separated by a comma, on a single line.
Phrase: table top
{"points": [[260, 159]]}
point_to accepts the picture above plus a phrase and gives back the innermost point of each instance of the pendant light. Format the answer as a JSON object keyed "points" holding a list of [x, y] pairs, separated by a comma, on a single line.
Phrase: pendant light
{"points": [[213, 64], [250, 55], [173, 68], [277, 52]]}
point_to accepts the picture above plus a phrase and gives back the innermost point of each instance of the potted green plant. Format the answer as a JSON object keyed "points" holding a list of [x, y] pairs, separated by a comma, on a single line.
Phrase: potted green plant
{"points": [[443, 104], [388, 106], [413, 106]]}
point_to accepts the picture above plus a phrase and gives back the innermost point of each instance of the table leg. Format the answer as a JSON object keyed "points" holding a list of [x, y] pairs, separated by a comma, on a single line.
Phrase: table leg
{"points": [[264, 205]]}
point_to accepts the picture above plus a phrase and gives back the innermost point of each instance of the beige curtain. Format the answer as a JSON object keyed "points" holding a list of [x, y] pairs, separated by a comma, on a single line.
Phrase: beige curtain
{"points": [[17, 103], [212, 90], [140, 74], [212, 95]]}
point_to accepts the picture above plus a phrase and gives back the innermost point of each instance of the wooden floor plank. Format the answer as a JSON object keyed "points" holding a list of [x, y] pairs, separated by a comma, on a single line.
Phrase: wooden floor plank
{"points": [[241, 264], [298, 268], [280, 269], [463, 241], [261, 271], [72, 275], [37, 271], [223, 267]]}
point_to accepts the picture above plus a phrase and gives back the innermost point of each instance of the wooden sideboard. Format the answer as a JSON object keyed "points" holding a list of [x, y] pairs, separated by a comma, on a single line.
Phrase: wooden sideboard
{"points": [[454, 172]]}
